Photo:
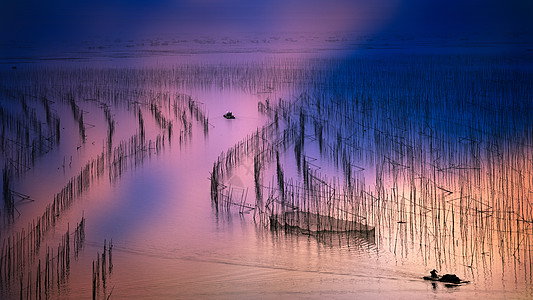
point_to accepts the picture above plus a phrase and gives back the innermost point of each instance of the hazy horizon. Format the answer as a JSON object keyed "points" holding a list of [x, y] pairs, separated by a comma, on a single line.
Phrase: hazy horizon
{"points": [[60, 22]]}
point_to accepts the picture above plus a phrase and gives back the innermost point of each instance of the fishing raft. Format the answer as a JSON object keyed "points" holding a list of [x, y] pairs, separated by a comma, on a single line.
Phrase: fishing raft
{"points": [[311, 223]]}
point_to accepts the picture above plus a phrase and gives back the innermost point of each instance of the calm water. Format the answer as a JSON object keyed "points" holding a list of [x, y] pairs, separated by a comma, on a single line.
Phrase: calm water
{"points": [[171, 241]]}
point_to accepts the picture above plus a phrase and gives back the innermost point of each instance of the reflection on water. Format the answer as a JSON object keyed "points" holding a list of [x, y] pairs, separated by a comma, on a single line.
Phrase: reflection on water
{"points": [[186, 196]]}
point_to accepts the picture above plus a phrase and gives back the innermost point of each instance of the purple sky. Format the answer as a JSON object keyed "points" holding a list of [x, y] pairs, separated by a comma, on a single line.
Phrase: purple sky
{"points": [[60, 20]]}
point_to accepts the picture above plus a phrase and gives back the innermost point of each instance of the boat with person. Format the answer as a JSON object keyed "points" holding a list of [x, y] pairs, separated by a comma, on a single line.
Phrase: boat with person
{"points": [[229, 115], [448, 279]]}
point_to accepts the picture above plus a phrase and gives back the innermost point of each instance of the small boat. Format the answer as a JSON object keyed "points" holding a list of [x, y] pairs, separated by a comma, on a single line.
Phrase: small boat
{"points": [[229, 115], [448, 279]]}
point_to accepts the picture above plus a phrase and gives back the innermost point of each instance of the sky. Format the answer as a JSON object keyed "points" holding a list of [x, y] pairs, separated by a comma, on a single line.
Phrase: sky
{"points": [[49, 22]]}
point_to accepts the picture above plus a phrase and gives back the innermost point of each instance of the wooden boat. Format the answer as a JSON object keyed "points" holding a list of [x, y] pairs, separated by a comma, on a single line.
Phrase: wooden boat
{"points": [[307, 222], [448, 279], [229, 115]]}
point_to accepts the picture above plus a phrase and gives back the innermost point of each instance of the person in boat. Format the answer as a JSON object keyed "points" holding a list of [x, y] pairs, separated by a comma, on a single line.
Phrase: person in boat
{"points": [[447, 278]]}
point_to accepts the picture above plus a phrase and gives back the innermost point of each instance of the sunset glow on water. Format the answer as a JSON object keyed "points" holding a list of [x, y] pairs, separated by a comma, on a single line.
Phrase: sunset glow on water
{"points": [[362, 155]]}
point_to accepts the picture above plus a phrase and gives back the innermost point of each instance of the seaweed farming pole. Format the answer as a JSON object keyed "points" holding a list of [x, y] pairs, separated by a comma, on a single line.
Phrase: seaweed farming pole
{"points": [[141, 124], [100, 273], [24, 136], [26, 244], [215, 183], [79, 236], [22, 248], [9, 205], [257, 179], [43, 284]]}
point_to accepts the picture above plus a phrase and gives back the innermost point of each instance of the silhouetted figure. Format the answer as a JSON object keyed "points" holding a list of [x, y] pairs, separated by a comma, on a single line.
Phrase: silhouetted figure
{"points": [[434, 274]]}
